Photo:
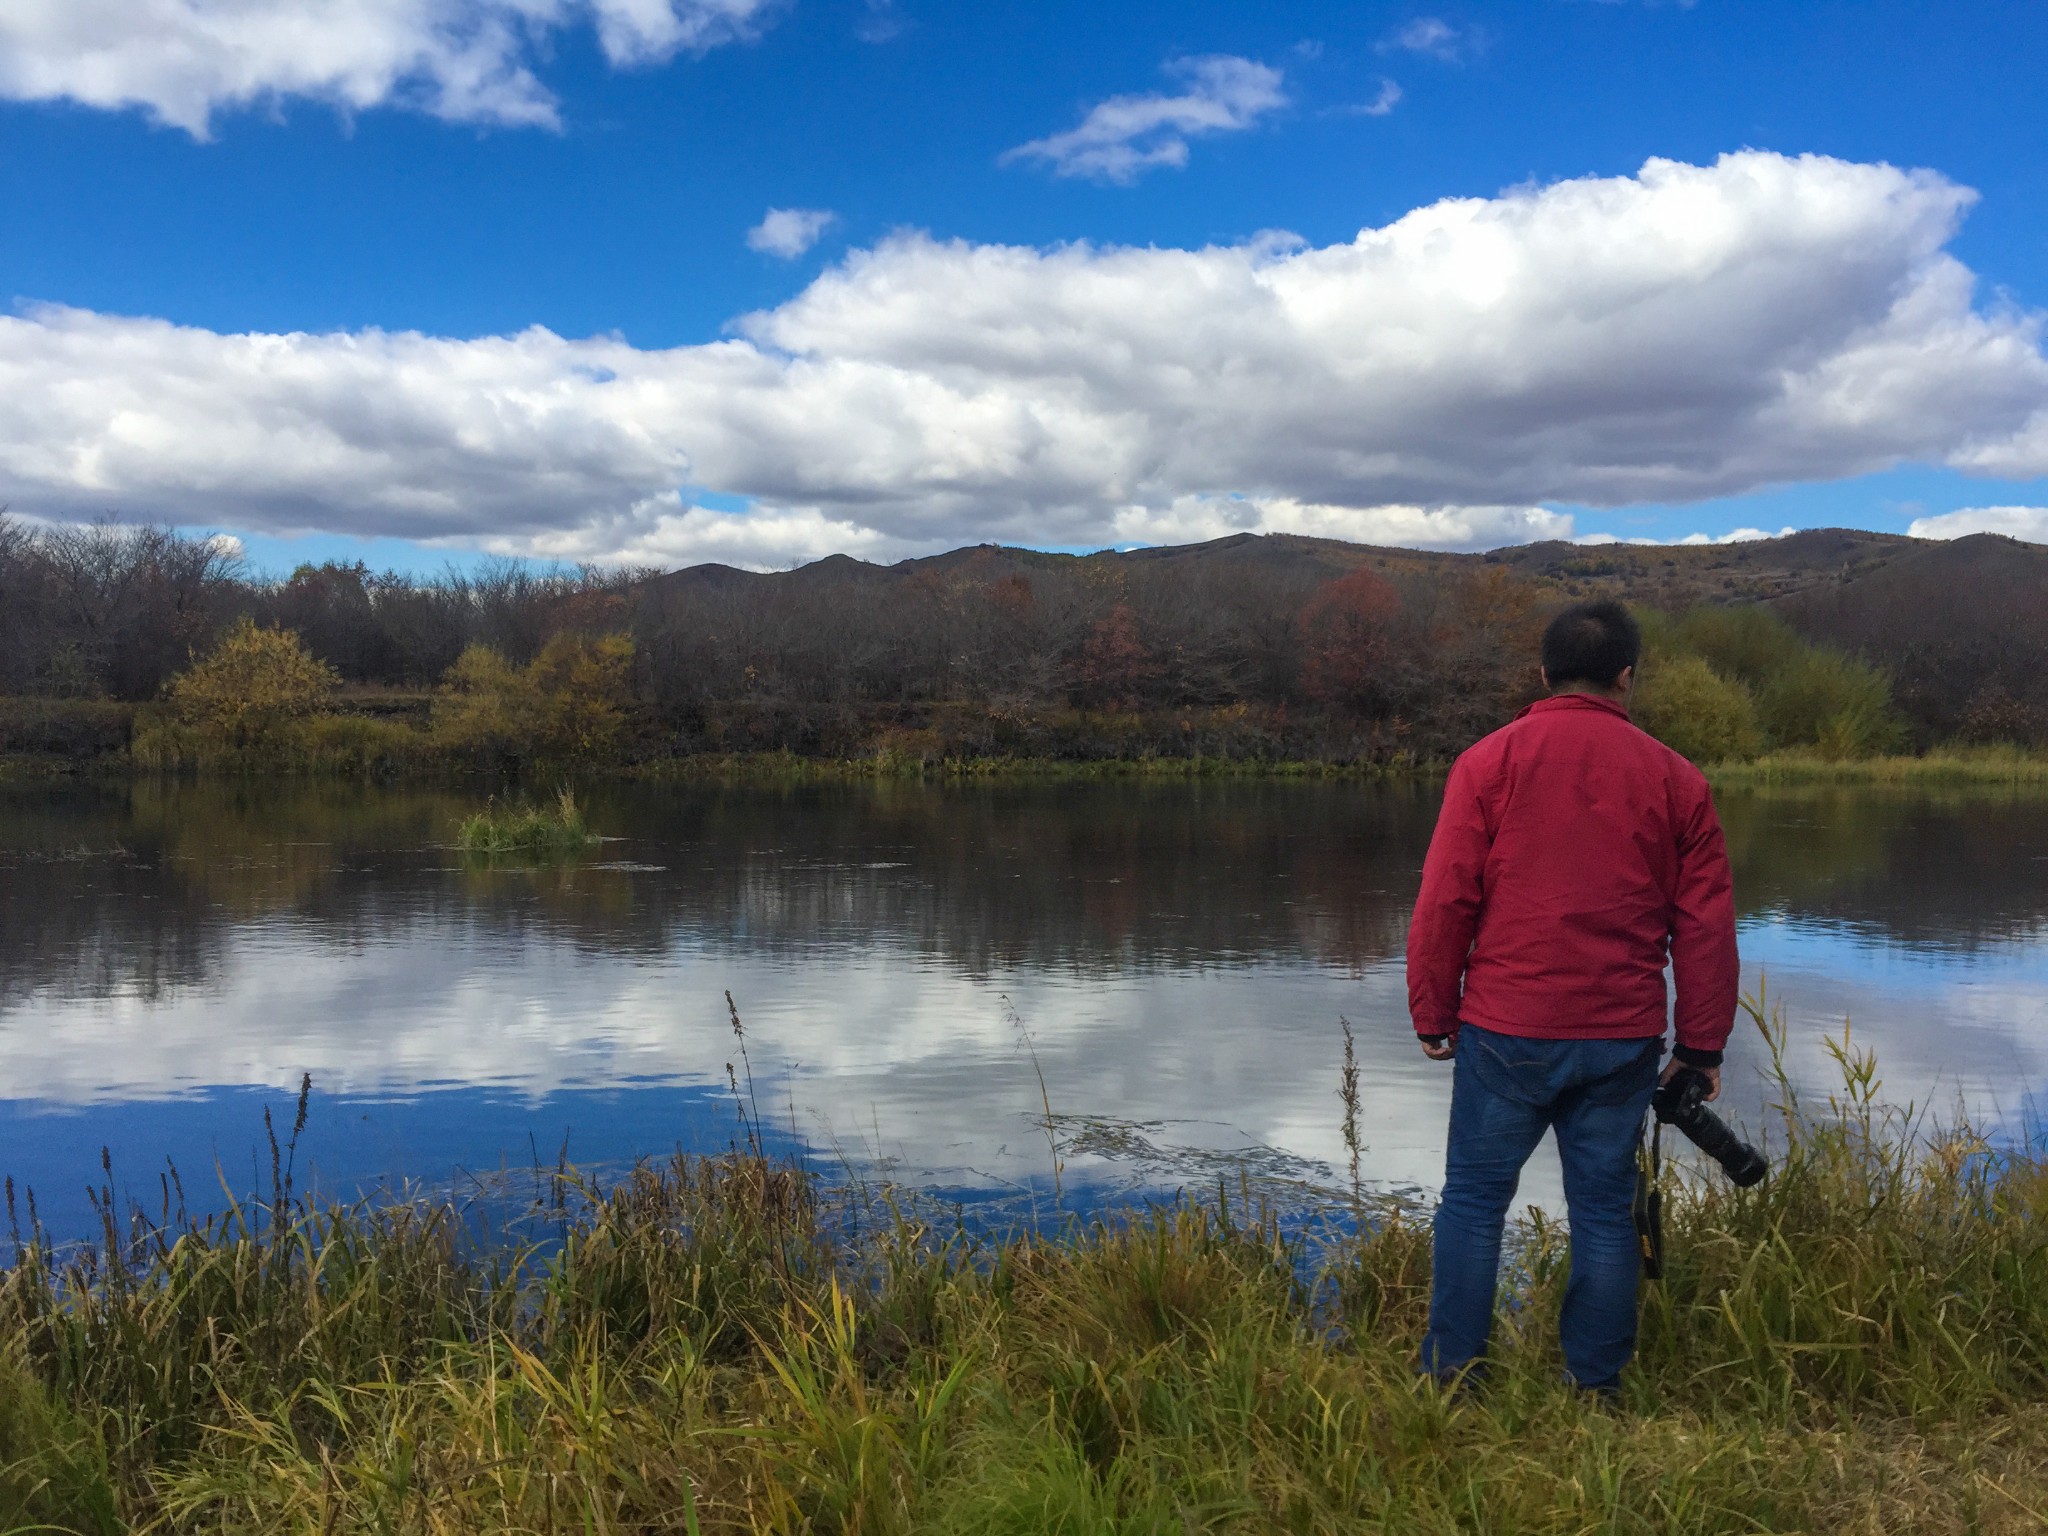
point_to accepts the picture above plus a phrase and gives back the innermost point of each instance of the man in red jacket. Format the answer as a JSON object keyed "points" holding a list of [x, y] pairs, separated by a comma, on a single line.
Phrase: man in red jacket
{"points": [[1573, 854]]}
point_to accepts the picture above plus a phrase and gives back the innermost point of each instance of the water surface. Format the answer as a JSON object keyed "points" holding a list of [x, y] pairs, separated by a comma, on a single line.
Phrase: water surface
{"points": [[919, 969]]}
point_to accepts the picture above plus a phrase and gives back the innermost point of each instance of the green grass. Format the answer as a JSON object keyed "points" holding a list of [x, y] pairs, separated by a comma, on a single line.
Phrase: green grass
{"points": [[1859, 1345], [2013, 766], [521, 828]]}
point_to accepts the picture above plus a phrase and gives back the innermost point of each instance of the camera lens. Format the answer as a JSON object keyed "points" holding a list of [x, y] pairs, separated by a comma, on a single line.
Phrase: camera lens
{"points": [[1680, 1103]]}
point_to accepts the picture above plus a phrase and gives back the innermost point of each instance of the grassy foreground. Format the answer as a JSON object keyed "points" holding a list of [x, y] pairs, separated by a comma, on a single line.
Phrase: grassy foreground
{"points": [[1858, 1345]]}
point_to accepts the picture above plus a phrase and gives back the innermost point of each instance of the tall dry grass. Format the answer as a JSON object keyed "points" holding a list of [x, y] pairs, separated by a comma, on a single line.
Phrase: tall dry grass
{"points": [[1858, 1345]]}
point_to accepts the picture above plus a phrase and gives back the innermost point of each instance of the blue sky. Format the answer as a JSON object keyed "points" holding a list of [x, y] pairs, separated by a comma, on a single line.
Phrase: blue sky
{"points": [[181, 192]]}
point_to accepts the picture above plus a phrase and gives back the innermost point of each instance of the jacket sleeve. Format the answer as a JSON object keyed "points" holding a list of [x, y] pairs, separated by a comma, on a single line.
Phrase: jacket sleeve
{"points": [[1703, 959], [1447, 910]]}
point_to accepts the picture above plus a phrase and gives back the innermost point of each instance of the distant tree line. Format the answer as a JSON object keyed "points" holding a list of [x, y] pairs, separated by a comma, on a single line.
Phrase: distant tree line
{"points": [[1250, 652]]}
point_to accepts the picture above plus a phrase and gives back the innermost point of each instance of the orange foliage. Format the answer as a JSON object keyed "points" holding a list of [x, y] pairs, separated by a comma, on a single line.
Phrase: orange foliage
{"points": [[1115, 665], [1011, 596], [1348, 649]]}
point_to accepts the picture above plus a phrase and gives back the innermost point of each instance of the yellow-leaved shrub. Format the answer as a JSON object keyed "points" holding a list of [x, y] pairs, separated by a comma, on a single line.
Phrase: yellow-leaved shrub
{"points": [[252, 685], [1695, 711], [569, 701]]}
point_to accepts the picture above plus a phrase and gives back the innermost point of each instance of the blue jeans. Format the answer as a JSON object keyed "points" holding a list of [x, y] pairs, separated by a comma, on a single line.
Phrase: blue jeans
{"points": [[1505, 1092]]}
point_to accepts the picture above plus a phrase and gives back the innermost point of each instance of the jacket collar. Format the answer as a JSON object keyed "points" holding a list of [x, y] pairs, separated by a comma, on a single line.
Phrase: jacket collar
{"points": [[1559, 702]]}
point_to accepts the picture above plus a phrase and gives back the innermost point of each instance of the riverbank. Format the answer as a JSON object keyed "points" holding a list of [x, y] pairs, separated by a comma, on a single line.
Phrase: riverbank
{"points": [[736, 768], [1938, 769], [779, 767], [1989, 766], [46, 741], [1958, 769], [1858, 1345]]}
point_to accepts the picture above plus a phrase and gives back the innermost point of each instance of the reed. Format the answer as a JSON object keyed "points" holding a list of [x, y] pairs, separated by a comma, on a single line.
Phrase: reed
{"points": [[518, 827], [1858, 1345]]}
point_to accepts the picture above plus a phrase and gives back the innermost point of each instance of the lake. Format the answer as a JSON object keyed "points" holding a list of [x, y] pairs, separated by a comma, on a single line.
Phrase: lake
{"points": [[920, 970]]}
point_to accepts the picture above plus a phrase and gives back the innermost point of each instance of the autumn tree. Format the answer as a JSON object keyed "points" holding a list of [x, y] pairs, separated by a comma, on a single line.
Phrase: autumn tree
{"points": [[1477, 655], [1348, 642], [1012, 597], [484, 704], [1822, 698], [571, 700], [255, 681], [1695, 710], [585, 686], [1114, 665]]}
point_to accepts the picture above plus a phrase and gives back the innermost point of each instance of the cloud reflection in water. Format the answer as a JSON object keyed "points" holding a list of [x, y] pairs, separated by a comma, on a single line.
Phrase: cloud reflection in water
{"points": [[1180, 955]]}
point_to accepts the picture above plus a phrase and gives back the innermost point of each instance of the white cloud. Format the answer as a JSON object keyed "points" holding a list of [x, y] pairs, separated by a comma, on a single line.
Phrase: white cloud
{"points": [[1434, 37], [2028, 523], [1737, 536], [184, 61], [1192, 519], [1125, 136], [674, 532], [669, 531], [881, 23], [1389, 97], [1685, 333], [789, 232]]}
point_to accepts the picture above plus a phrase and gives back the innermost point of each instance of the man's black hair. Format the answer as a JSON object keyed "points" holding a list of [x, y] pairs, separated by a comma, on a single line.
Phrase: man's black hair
{"points": [[1590, 643]]}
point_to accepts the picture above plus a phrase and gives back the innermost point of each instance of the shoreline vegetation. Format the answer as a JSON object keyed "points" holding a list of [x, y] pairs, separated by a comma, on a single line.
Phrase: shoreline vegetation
{"points": [[1989, 765], [134, 650], [1858, 1345], [123, 742]]}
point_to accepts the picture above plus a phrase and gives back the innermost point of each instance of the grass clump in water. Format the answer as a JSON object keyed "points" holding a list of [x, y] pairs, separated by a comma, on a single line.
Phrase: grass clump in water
{"points": [[1858, 1345], [524, 828]]}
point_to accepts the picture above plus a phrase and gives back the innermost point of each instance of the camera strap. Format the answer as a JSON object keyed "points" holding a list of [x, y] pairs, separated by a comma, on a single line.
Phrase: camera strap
{"points": [[1649, 1203]]}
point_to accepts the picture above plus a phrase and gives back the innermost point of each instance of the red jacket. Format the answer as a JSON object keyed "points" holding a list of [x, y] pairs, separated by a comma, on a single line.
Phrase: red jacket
{"points": [[1573, 852]]}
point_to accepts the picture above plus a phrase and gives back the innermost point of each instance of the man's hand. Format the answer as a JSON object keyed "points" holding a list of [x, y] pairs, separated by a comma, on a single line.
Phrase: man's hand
{"points": [[1712, 1075], [1438, 1047]]}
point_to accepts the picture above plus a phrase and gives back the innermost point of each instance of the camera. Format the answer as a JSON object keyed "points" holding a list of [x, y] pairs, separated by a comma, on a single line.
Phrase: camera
{"points": [[1681, 1102]]}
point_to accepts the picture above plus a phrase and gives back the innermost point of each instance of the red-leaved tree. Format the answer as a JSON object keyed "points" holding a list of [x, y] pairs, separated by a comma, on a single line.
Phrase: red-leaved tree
{"points": [[1115, 666], [1348, 643]]}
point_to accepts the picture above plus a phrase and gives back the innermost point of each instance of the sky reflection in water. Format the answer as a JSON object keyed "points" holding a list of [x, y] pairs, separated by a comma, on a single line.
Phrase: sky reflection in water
{"points": [[172, 958]]}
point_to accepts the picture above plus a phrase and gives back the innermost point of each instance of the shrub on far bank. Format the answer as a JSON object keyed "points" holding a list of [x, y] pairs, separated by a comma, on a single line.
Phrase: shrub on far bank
{"points": [[75, 729], [252, 684], [1692, 709], [261, 700], [1744, 641], [1841, 706], [351, 745], [571, 700], [1723, 684], [1719, 686]]}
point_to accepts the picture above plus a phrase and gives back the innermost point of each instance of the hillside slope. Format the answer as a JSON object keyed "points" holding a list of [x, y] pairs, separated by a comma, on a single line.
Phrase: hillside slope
{"points": [[1656, 575], [1961, 625]]}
